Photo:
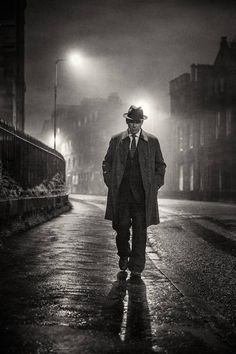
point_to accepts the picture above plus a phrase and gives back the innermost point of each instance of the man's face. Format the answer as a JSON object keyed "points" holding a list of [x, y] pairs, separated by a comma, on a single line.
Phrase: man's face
{"points": [[135, 127]]}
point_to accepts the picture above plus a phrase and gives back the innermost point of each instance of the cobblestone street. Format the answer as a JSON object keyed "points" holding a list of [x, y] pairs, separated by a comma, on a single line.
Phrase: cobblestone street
{"points": [[60, 294]]}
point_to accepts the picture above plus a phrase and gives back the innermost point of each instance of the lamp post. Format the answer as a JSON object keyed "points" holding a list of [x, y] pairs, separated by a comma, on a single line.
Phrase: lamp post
{"points": [[55, 103], [74, 58]]}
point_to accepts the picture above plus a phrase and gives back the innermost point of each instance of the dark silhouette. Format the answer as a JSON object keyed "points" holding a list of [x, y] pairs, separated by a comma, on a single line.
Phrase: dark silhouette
{"points": [[132, 333]]}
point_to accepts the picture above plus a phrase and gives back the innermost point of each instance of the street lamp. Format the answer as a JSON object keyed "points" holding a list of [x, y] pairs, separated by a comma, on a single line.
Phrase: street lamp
{"points": [[74, 58], [55, 103]]}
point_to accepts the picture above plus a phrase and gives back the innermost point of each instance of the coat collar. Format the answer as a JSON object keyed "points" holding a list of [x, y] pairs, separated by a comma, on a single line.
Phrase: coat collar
{"points": [[143, 135]]}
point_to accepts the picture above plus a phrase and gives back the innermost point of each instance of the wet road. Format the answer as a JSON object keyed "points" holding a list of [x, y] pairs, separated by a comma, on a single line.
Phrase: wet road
{"points": [[60, 293], [196, 243]]}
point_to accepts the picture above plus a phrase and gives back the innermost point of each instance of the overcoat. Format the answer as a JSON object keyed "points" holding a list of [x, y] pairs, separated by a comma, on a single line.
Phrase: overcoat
{"points": [[152, 167]]}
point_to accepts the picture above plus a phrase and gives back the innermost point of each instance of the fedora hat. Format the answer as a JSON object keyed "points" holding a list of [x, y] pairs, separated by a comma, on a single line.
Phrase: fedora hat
{"points": [[134, 114]]}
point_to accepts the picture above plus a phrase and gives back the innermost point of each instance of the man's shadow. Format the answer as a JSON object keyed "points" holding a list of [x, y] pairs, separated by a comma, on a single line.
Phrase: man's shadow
{"points": [[126, 314]]}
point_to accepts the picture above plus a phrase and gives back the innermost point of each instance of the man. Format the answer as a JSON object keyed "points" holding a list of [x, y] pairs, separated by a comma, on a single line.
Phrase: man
{"points": [[133, 170]]}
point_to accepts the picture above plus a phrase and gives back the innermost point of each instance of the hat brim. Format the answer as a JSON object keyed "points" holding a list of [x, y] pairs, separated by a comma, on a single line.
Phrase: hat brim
{"points": [[125, 115]]}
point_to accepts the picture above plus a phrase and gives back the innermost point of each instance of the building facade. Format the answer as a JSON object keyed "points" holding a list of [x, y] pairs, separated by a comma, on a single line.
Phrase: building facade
{"points": [[83, 134], [203, 117], [12, 84]]}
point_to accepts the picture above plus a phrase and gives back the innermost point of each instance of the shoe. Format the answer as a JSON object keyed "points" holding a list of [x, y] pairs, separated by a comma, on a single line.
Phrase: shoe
{"points": [[123, 263], [122, 275]]}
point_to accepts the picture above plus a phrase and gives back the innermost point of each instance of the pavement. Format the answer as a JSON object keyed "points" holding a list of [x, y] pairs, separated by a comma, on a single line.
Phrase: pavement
{"points": [[62, 292]]}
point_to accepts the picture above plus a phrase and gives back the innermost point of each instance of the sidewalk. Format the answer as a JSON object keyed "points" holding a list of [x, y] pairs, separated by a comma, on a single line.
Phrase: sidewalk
{"points": [[60, 294]]}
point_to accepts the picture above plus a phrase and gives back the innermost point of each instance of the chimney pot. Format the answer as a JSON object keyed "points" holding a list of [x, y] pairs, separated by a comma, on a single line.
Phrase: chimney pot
{"points": [[223, 43]]}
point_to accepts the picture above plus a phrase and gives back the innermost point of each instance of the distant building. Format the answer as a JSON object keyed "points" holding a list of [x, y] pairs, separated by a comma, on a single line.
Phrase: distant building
{"points": [[203, 117], [83, 133], [12, 84]]}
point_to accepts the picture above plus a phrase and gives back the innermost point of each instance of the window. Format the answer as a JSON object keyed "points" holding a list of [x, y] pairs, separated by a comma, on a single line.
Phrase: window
{"points": [[191, 177], [75, 179], [201, 180], [220, 179], [202, 132], [180, 139], [181, 177], [217, 124], [228, 122], [195, 73], [191, 136]]}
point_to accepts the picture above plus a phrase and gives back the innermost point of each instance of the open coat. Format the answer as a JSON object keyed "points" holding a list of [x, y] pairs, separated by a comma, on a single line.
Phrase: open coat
{"points": [[152, 167]]}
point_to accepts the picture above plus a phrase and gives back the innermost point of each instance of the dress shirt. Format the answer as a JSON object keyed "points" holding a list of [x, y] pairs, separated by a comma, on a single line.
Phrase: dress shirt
{"points": [[137, 135]]}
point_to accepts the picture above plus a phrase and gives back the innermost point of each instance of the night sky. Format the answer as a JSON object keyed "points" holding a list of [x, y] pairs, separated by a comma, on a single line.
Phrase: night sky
{"points": [[130, 47]]}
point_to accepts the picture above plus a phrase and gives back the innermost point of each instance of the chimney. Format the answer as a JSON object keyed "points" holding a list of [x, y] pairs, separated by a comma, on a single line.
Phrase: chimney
{"points": [[233, 48], [223, 43], [233, 43]]}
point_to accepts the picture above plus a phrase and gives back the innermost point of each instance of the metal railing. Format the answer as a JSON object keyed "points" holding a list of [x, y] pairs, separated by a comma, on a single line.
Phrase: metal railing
{"points": [[27, 160]]}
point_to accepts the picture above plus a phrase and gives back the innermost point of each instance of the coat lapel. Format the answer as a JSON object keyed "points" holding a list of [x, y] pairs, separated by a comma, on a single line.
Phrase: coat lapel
{"points": [[124, 147], [143, 152], [143, 146]]}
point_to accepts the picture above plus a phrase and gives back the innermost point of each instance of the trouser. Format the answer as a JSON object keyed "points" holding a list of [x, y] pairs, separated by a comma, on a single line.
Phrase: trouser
{"points": [[131, 213]]}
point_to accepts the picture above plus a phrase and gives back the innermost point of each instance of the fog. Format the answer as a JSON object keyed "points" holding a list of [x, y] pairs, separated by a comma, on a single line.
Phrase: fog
{"points": [[130, 47]]}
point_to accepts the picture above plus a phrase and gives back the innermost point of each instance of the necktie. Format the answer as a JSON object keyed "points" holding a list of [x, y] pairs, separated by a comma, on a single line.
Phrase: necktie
{"points": [[133, 146]]}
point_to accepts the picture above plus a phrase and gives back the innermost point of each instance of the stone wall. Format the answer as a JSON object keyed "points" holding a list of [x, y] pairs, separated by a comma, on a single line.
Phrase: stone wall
{"points": [[24, 213]]}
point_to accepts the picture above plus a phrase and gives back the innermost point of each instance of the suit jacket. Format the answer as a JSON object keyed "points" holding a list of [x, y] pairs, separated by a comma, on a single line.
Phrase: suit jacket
{"points": [[152, 167]]}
